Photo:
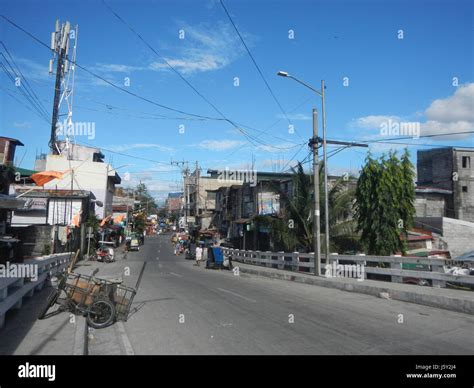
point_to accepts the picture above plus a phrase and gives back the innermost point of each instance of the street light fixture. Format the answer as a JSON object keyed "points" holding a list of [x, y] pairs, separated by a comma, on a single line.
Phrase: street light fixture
{"points": [[326, 199]]}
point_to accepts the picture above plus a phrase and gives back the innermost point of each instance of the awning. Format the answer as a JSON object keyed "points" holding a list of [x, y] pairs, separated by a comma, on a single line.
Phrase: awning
{"points": [[242, 220]]}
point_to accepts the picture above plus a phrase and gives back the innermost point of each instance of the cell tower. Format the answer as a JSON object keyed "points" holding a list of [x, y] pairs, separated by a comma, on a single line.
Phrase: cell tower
{"points": [[64, 47]]}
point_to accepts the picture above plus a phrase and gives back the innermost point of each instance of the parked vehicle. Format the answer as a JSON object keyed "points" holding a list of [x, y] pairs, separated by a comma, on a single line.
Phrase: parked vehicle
{"points": [[105, 253]]}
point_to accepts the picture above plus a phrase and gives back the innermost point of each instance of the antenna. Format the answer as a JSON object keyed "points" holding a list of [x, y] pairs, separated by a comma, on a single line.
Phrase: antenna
{"points": [[65, 57]]}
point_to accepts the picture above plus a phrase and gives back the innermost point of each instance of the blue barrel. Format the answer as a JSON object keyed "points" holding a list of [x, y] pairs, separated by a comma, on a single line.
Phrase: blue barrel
{"points": [[218, 255]]}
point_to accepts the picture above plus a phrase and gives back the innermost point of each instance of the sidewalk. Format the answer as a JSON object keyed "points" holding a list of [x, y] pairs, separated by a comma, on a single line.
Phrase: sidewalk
{"points": [[443, 298], [59, 334], [24, 334]]}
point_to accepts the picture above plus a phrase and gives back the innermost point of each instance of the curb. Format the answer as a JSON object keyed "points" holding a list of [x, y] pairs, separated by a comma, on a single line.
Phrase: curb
{"points": [[427, 298], [81, 343]]}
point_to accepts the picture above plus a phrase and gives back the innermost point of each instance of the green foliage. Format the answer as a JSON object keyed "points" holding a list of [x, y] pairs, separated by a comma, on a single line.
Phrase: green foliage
{"points": [[93, 222], [294, 230], [385, 203], [147, 202]]}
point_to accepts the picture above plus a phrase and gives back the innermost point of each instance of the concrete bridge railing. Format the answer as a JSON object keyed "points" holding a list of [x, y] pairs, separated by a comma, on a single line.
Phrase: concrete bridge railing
{"points": [[432, 268], [14, 288]]}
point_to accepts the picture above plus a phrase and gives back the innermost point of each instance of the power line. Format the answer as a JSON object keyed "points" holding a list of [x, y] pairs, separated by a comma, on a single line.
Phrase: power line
{"points": [[107, 81], [28, 87], [255, 63], [22, 92], [140, 37], [22, 103]]}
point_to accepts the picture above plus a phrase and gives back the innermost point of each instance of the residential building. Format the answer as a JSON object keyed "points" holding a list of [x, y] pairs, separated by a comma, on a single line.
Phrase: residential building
{"points": [[201, 196], [8, 242], [450, 169], [85, 170], [174, 203]]}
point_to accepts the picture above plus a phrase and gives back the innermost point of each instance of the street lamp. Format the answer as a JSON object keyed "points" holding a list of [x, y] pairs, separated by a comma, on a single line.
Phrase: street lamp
{"points": [[321, 94]]}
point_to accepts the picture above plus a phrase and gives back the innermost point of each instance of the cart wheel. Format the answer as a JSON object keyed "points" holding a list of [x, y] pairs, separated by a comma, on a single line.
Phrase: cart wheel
{"points": [[101, 314], [52, 298]]}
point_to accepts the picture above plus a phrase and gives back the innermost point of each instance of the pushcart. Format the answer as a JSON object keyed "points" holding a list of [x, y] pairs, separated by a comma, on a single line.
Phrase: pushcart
{"points": [[101, 301]]}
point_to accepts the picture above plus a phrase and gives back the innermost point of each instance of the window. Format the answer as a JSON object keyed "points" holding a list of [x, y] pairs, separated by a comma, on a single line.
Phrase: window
{"points": [[466, 162], [464, 189]]}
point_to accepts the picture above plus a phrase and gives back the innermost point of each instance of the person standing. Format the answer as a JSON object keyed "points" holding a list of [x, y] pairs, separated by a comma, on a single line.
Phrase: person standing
{"points": [[198, 255]]}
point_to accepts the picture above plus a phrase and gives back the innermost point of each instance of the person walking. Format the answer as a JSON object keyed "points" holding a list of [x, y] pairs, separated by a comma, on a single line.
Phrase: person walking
{"points": [[198, 255]]}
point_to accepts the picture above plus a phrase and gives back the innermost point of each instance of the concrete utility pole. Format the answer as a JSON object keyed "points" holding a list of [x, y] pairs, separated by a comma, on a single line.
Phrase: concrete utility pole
{"points": [[196, 177], [316, 213], [326, 190], [186, 185]]}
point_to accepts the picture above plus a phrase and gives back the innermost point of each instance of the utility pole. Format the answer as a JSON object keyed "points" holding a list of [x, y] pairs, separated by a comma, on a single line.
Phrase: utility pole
{"points": [[196, 177], [316, 213], [60, 45], [326, 191], [186, 184]]}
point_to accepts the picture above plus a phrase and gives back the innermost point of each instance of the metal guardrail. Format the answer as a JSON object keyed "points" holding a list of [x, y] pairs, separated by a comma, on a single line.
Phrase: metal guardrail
{"points": [[14, 289], [377, 265]]}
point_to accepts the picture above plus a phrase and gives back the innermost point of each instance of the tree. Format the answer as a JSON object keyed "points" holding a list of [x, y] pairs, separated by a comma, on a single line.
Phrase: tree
{"points": [[385, 203], [147, 202], [294, 228]]}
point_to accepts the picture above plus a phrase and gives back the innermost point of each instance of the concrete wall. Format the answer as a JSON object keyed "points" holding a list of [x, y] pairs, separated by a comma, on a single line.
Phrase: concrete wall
{"points": [[35, 240], [459, 235], [455, 235], [464, 201], [429, 205], [435, 168]]}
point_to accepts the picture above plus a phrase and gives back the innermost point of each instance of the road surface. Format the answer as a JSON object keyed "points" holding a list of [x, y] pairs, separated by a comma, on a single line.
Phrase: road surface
{"points": [[184, 309]]}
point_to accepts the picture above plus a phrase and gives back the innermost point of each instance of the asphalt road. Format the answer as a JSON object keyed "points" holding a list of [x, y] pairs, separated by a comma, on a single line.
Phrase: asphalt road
{"points": [[184, 309]]}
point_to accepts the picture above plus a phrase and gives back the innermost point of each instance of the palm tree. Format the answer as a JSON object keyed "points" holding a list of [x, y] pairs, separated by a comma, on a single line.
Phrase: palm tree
{"points": [[294, 228]]}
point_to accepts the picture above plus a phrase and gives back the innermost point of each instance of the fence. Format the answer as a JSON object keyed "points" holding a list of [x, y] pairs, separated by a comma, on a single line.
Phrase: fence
{"points": [[14, 289], [431, 269]]}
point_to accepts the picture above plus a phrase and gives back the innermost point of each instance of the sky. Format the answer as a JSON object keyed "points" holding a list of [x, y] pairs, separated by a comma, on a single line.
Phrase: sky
{"points": [[383, 62]]}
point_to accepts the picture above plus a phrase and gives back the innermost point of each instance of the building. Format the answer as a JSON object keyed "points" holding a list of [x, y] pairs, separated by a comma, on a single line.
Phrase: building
{"points": [[85, 170], [200, 200], [51, 220], [237, 206], [8, 242], [450, 171], [174, 203]]}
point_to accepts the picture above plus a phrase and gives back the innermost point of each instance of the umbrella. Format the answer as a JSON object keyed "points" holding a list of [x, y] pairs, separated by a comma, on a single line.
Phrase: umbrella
{"points": [[43, 177]]}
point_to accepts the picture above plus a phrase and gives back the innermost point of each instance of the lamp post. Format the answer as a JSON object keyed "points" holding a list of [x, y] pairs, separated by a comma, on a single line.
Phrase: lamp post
{"points": [[321, 94]]}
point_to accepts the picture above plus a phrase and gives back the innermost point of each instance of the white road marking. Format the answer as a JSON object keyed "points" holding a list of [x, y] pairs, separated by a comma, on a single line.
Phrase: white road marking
{"points": [[124, 338], [176, 274], [238, 295]]}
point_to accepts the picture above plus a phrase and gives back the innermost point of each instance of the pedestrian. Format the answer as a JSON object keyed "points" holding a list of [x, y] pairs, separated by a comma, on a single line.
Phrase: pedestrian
{"points": [[198, 255]]}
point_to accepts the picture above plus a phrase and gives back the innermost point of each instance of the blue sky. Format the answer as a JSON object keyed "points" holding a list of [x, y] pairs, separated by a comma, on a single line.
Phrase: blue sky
{"points": [[403, 80]]}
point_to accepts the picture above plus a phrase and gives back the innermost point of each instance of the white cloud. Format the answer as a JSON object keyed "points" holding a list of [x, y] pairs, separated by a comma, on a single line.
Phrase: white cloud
{"points": [[116, 68], [220, 145], [126, 147], [278, 148], [452, 114], [205, 48], [446, 115], [295, 116], [373, 121], [457, 108], [22, 124]]}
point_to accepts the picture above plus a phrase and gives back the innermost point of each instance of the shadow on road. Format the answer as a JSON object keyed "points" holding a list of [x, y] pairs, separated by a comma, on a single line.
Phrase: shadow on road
{"points": [[142, 303], [18, 323]]}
